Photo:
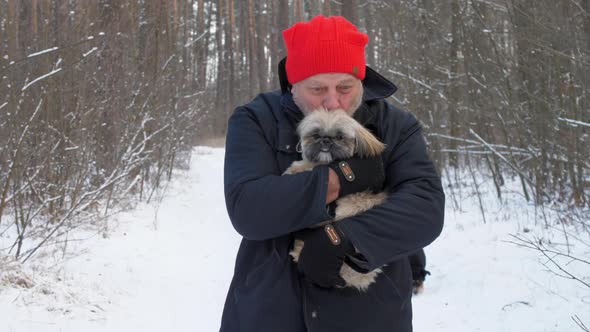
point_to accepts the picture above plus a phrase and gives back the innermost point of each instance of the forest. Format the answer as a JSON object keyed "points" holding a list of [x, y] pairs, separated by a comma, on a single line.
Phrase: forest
{"points": [[101, 100]]}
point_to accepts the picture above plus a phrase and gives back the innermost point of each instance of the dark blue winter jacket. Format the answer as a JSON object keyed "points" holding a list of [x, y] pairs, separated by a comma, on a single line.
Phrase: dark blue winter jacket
{"points": [[266, 293]]}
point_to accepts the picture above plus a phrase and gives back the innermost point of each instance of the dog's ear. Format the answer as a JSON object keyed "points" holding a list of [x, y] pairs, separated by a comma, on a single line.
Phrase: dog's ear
{"points": [[367, 145]]}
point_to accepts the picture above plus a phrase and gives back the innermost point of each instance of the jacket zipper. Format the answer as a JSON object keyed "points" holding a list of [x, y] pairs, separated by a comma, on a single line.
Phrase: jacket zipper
{"points": [[305, 313]]}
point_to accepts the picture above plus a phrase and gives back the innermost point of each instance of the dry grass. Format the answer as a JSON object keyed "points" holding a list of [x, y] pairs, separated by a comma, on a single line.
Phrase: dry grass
{"points": [[13, 274]]}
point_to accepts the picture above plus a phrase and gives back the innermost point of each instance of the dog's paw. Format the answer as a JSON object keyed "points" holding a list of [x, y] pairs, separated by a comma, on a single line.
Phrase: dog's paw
{"points": [[418, 287], [360, 281], [296, 251], [353, 204], [298, 167]]}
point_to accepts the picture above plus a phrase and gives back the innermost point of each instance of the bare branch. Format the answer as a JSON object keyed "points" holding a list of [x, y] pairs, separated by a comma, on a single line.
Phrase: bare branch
{"points": [[550, 255], [579, 322]]}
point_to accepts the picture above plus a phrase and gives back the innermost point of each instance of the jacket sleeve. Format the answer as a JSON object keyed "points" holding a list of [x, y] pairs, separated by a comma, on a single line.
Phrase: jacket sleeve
{"points": [[261, 203], [412, 216]]}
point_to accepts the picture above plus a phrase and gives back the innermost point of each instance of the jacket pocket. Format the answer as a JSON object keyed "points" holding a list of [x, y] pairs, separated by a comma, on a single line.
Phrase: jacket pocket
{"points": [[264, 263], [399, 277], [286, 148], [268, 298], [385, 307]]}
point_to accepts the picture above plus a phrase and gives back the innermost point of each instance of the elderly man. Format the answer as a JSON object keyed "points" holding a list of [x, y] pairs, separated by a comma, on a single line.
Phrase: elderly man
{"points": [[325, 68]]}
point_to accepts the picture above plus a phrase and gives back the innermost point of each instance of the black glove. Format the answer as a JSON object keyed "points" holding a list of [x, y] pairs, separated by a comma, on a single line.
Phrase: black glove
{"points": [[359, 174], [323, 253]]}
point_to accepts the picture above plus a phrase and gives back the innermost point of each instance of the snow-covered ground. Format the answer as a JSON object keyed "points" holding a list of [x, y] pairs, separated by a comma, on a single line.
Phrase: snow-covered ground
{"points": [[167, 267]]}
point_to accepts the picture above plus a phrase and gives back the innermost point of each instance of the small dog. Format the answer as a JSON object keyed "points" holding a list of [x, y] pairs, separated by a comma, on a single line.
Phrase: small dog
{"points": [[326, 136]]}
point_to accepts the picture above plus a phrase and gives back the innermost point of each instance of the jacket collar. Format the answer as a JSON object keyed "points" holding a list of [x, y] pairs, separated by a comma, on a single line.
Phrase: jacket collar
{"points": [[293, 112], [375, 86]]}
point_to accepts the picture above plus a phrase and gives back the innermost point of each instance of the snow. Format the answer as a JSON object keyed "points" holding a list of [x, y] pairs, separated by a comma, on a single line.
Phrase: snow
{"points": [[195, 40], [40, 78], [167, 267], [483, 283], [43, 52], [89, 52], [574, 122]]}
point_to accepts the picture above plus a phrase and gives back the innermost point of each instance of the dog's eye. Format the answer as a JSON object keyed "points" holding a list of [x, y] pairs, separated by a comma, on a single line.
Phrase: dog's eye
{"points": [[339, 137], [316, 136]]}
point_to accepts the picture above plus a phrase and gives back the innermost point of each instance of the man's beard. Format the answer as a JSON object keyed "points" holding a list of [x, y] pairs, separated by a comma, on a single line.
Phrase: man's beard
{"points": [[306, 108]]}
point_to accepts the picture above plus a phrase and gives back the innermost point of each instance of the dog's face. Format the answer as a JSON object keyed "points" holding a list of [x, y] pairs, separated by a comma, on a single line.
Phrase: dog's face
{"points": [[334, 135]]}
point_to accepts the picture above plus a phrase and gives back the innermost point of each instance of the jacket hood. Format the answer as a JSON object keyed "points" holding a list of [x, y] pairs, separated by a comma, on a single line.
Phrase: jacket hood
{"points": [[375, 86]]}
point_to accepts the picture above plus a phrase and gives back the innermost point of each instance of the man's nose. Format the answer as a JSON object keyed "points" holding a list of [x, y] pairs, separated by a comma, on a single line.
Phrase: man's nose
{"points": [[331, 102]]}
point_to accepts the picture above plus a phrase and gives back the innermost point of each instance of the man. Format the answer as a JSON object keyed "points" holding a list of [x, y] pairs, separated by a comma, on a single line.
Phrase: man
{"points": [[325, 68]]}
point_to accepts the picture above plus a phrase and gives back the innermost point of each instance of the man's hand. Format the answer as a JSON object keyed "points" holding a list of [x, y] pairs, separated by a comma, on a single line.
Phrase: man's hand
{"points": [[358, 174], [333, 186], [322, 255]]}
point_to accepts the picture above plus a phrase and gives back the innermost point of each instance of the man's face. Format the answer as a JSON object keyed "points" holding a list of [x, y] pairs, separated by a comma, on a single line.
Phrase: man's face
{"points": [[329, 91]]}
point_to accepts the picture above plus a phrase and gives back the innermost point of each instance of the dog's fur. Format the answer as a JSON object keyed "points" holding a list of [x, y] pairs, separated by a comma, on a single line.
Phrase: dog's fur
{"points": [[332, 135]]}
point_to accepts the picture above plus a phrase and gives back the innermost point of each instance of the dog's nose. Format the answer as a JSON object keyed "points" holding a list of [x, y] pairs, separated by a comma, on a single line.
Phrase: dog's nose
{"points": [[326, 143]]}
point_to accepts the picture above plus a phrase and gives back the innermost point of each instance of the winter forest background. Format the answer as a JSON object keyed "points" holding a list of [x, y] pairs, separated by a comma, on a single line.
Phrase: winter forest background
{"points": [[101, 100]]}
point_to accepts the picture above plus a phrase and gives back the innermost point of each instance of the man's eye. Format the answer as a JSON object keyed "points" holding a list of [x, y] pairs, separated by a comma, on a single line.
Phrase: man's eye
{"points": [[345, 89]]}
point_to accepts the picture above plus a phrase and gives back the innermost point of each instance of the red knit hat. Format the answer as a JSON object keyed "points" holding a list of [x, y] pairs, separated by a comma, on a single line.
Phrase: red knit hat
{"points": [[324, 45]]}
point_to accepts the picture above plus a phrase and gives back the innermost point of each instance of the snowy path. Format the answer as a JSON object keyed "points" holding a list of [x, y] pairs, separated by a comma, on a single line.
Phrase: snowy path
{"points": [[172, 273], [164, 274]]}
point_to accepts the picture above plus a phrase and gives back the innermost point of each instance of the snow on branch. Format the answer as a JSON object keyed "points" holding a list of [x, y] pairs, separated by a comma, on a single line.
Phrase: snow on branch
{"points": [[89, 52], [478, 144], [40, 78], [574, 123], [11, 164], [43, 52], [133, 156], [502, 157], [196, 40], [419, 82]]}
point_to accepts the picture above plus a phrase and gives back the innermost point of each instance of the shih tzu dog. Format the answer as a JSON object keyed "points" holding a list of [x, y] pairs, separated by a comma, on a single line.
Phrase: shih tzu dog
{"points": [[326, 136]]}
